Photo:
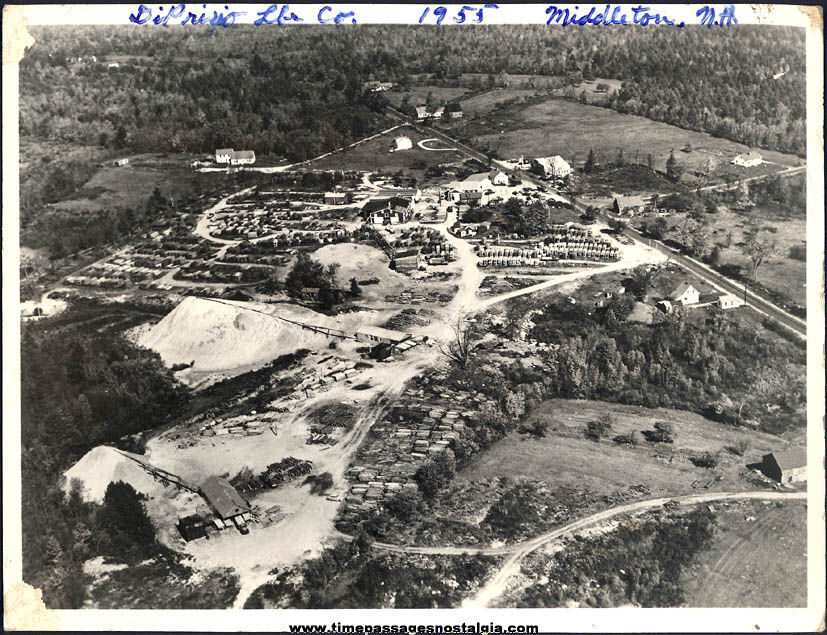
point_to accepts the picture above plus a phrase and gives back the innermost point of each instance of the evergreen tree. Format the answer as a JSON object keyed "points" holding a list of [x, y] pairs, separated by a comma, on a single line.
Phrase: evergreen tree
{"points": [[673, 169], [590, 163]]}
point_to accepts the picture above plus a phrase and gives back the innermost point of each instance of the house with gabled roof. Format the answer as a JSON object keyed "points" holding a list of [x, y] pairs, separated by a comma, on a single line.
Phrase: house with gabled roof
{"points": [[223, 155], [223, 498], [555, 166], [787, 466], [685, 294]]}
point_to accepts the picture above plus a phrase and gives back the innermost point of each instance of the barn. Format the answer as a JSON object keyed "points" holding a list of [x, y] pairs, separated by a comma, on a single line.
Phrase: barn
{"points": [[223, 499], [787, 466]]}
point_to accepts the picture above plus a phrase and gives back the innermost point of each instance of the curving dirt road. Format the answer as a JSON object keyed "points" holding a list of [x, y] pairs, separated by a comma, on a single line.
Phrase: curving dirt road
{"points": [[496, 585]]}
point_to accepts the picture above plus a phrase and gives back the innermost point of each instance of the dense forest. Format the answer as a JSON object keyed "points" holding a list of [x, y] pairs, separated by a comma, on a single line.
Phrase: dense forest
{"points": [[296, 91], [721, 369], [77, 392]]}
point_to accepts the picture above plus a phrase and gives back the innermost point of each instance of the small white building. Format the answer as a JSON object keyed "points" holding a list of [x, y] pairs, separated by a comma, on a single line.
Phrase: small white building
{"points": [[555, 166], [748, 160], [402, 143], [422, 113], [223, 155], [730, 301], [685, 294], [498, 177], [479, 182], [243, 157]]}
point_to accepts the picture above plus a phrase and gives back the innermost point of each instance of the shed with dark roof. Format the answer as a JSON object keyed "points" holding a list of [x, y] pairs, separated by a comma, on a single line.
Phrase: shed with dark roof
{"points": [[787, 466]]}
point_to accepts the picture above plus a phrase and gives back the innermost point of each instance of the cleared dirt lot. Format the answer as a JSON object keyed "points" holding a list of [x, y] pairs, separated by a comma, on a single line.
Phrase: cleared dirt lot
{"points": [[566, 458], [759, 559]]}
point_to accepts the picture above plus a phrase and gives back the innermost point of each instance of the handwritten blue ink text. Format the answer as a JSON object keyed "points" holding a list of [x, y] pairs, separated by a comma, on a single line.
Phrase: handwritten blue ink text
{"points": [[707, 16], [460, 17], [609, 15]]}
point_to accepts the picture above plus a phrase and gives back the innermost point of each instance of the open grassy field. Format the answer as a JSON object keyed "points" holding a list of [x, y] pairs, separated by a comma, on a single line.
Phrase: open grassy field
{"points": [[570, 129], [483, 103], [589, 88], [779, 272], [375, 155], [131, 185], [759, 559], [565, 458]]}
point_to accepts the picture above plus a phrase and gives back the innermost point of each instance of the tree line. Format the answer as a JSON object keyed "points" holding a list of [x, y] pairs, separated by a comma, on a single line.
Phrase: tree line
{"points": [[79, 391], [276, 90]]}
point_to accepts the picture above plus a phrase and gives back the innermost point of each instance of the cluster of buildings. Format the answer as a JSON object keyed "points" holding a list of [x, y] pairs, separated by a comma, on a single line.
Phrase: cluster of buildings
{"points": [[388, 211], [687, 295], [377, 87], [454, 111], [482, 181], [228, 156], [748, 160]]}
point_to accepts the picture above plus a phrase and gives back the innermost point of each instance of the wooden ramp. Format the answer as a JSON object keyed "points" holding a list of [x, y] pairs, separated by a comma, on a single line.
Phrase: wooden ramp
{"points": [[160, 474]]}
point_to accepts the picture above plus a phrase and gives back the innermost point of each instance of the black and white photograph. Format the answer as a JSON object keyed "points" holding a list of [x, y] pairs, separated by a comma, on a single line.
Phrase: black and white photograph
{"points": [[446, 310]]}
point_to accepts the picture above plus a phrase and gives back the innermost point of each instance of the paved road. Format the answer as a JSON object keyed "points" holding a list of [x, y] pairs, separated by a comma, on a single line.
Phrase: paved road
{"points": [[798, 325], [792, 322]]}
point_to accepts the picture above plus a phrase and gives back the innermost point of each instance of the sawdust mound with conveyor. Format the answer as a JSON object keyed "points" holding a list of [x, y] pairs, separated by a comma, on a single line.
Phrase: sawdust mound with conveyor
{"points": [[104, 465], [226, 335]]}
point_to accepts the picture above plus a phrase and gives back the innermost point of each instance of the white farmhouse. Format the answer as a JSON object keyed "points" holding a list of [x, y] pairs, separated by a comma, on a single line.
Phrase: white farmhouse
{"points": [[748, 160], [243, 157], [498, 177], [555, 166], [223, 155], [479, 182], [685, 294]]}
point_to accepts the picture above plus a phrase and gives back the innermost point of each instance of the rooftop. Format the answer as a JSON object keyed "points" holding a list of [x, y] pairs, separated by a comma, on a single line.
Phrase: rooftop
{"points": [[476, 178], [223, 497], [683, 287], [790, 459]]}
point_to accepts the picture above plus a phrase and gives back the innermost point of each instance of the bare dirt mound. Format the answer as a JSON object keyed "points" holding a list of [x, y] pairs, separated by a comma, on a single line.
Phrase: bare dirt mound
{"points": [[358, 261], [226, 335], [104, 465]]}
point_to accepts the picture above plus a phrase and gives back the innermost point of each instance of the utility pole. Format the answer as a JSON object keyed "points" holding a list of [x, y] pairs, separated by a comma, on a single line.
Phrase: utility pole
{"points": [[745, 294]]}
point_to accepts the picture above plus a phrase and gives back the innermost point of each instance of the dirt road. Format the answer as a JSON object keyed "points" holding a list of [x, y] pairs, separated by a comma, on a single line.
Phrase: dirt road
{"points": [[496, 585]]}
